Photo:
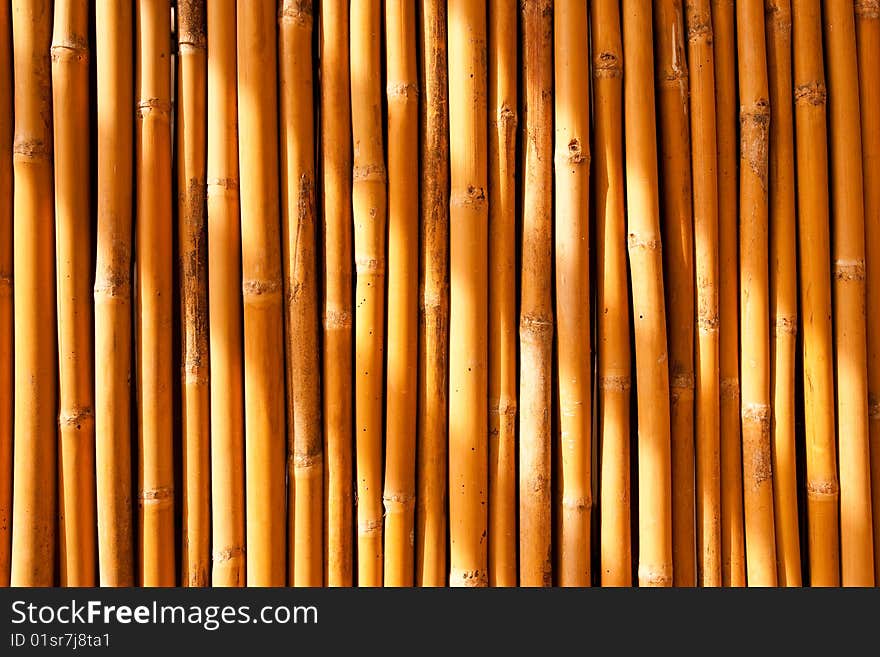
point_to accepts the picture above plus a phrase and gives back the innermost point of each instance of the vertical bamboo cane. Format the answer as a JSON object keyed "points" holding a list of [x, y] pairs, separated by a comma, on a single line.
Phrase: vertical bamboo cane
{"points": [[815, 292], [305, 462], [468, 348], [115, 108], [433, 419], [6, 318], [572, 187], [224, 302], [337, 311], [649, 310], [76, 419], [732, 541], [369, 209], [34, 484], [678, 247], [848, 239], [783, 293]]}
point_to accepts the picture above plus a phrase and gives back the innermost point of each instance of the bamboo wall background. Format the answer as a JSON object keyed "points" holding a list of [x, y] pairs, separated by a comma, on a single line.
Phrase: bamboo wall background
{"points": [[439, 293]]}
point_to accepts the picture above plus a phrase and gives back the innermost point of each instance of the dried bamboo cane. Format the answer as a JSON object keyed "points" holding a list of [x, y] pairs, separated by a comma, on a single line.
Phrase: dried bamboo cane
{"points": [[649, 309], [433, 382], [261, 287], [572, 233], [815, 292], [678, 248], [850, 349], [732, 540], [783, 293], [193, 254], [115, 109], [337, 310], [34, 483], [369, 212], [701, 68], [224, 302], [6, 317], [305, 461], [612, 295], [76, 419]]}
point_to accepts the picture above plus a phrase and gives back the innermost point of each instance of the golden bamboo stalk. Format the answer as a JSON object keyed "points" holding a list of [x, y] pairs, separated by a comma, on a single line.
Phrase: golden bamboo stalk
{"points": [[6, 319]]}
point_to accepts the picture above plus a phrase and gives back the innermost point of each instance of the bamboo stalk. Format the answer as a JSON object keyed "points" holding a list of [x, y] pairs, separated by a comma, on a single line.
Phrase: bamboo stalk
{"points": [[732, 540], [115, 108], [649, 310], [468, 339], [305, 461], [224, 302], [261, 285], [704, 156], [34, 483], [848, 240], [6, 317], [76, 419], [572, 233], [678, 247], [433, 381], [815, 292], [783, 293], [193, 254], [369, 212], [612, 295], [337, 310]]}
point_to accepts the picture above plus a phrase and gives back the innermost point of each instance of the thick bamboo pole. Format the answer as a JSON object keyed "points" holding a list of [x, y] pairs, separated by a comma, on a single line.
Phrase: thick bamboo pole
{"points": [[612, 295], [733, 562], [114, 51], [6, 319], [337, 309], [850, 349], [76, 418], [572, 234], [649, 309], [783, 293], [193, 262], [369, 212], [704, 157], [678, 249], [34, 484], [815, 292], [305, 452], [433, 381], [224, 303]]}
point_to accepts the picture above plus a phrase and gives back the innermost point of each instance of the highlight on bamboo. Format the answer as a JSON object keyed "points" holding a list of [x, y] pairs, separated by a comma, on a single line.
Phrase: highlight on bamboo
{"points": [[439, 293]]}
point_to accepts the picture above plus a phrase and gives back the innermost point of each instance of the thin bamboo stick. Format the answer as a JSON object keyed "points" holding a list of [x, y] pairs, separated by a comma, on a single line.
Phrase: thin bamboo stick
{"points": [[850, 349], [261, 286], [34, 483], [224, 302], [7, 128], [815, 292]]}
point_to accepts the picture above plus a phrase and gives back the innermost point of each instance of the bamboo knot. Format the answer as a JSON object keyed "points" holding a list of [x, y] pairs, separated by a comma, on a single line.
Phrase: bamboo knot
{"points": [[194, 371], [114, 284], [369, 527], [156, 494], [367, 266], [867, 8], [404, 499], [699, 28], [607, 65], [785, 325], [781, 19], [822, 488], [506, 117], [337, 319], [811, 93], [754, 137], [574, 154], [150, 105], [260, 287], [730, 388], [474, 197], [636, 242], [756, 413], [306, 459], [539, 483], [682, 381], [468, 578], [615, 383], [32, 149], [76, 49], [296, 12], [584, 503], [873, 408], [369, 173], [655, 576], [229, 184], [75, 416], [535, 324], [5, 284], [707, 321], [228, 554], [505, 407], [404, 90], [849, 270]]}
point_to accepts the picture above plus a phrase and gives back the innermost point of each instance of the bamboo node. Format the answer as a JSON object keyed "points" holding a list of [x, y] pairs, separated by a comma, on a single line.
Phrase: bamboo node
{"points": [[369, 527], [5, 284], [636, 242], [32, 149], [336, 319], [655, 576], [304, 459], [296, 12], [780, 19], [730, 388], [194, 371], [615, 383], [260, 287], [867, 8], [503, 407], [873, 408], [404, 499], [229, 184], [228, 554], [583, 503], [574, 154], [707, 322], [367, 266], [150, 105], [475, 197], [811, 93], [404, 90], [607, 65], [76, 49], [537, 325], [754, 137], [114, 283], [849, 270], [506, 117], [156, 494], [785, 325], [75, 416], [468, 578], [682, 381], [699, 28], [369, 173], [822, 488]]}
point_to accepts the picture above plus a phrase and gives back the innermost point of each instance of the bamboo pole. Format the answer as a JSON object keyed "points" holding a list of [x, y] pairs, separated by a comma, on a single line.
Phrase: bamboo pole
{"points": [[815, 292], [649, 311], [34, 484], [732, 540], [369, 211], [337, 309], [6, 318], [612, 296], [224, 302], [704, 157], [678, 248], [468, 339], [193, 261], [783, 293], [305, 462], [433, 377], [848, 240], [572, 234], [261, 286], [76, 419], [114, 51]]}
